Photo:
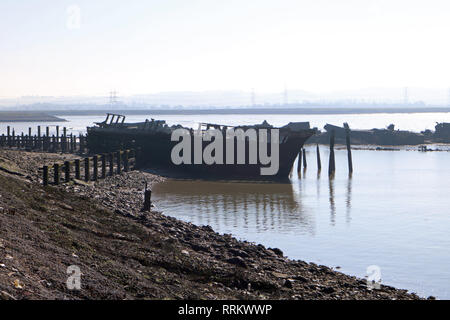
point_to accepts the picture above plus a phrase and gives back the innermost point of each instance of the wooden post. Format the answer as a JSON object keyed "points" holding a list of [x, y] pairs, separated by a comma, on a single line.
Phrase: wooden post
{"points": [[81, 143], [95, 160], [56, 173], [64, 140], [319, 164], [67, 171], [9, 136], [29, 143], [331, 163], [86, 169], [111, 164], [57, 137], [77, 169], [119, 158], [39, 141], [125, 161], [304, 159], [299, 162], [103, 157], [349, 149], [13, 138], [71, 143], [45, 176], [147, 199]]}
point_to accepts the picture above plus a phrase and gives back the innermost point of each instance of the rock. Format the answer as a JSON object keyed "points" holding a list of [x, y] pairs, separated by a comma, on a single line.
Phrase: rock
{"points": [[238, 261], [6, 296], [301, 279], [288, 283], [277, 251], [328, 290]]}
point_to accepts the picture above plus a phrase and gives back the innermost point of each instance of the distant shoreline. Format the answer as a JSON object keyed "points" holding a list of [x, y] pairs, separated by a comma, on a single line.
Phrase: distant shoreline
{"points": [[27, 116], [316, 110]]}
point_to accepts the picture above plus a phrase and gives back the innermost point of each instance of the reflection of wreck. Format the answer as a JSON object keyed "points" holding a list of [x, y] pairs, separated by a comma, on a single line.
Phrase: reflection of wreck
{"points": [[153, 138], [377, 136]]}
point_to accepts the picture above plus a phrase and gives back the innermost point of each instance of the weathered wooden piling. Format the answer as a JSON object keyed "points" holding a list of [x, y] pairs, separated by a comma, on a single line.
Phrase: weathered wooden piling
{"points": [[39, 143], [103, 158], [126, 167], [67, 171], [331, 163], [64, 140], [119, 158], [77, 169], [349, 149], [56, 173], [319, 163], [8, 129], [86, 169], [45, 175], [299, 162], [147, 199], [111, 163], [305, 165], [95, 161]]}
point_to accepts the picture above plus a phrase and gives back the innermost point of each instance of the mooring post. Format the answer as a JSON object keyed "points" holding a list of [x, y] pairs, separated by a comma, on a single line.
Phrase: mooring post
{"points": [[319, 164], [331, 164], [125, 161], [111, 163], [299, 162], [103, 157], [39, 138], [304, 159], [86, 169], [29, 143], [95, 160], [57, 137], [67, 171], [70, 143], [14, 138], [119, 158], [77, 169], [349, 149], [64, 140], [147, 198], [56, 173], [45, 176], [81, 143], [9, 136]]}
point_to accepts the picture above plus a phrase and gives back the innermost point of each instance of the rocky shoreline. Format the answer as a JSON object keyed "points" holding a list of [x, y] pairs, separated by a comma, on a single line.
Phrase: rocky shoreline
{"points": [[124, 253]]}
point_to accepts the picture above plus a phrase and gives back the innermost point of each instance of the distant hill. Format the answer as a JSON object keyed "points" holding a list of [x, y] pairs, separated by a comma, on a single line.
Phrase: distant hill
{"points": [[18, 116]]}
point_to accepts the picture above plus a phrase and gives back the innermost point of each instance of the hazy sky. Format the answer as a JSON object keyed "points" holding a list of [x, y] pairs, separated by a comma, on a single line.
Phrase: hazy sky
{"points": [[194, 45]]}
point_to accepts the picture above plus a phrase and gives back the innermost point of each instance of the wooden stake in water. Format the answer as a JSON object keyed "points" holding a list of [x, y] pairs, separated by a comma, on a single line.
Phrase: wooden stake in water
{"points": [[319, 164], [299, 162], [331, 163], [304, 159], [349, 149]]}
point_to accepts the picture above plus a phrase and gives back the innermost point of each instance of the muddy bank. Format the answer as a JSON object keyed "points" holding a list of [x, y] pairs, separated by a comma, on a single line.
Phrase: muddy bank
{"points": [[124, 253], [24, 116]]}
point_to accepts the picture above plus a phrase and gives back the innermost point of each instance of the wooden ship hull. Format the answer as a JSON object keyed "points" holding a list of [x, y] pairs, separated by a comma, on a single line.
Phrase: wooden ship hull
{"points": [[153, 140]]}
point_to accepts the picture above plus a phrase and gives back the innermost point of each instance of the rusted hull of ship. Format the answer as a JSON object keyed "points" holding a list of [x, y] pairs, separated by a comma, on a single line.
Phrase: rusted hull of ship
{"points": [[156, 147]]}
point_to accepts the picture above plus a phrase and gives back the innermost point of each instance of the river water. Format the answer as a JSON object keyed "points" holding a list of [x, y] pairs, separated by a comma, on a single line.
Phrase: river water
{"points": [[393, 212]]}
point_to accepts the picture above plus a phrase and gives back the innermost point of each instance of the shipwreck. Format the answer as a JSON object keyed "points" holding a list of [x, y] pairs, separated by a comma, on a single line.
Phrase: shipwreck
{"points": [[234, 158]]}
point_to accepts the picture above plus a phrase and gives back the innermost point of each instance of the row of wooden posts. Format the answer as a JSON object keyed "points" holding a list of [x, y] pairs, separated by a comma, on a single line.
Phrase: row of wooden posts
{"points": [[331, 162], [110, 164], [63, 142]]}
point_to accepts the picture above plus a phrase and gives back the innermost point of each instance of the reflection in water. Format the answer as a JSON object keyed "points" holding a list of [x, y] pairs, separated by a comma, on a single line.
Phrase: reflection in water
{"points": [[332, 203], [348, 201], [266, 206]]}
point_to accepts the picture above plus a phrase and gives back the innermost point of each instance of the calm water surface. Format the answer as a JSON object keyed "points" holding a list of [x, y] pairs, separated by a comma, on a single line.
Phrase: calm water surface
{"points": [[393, 212]]}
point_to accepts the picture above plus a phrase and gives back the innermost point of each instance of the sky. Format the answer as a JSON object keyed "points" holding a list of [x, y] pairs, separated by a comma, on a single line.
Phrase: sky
{"points": [[85, 47]]}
